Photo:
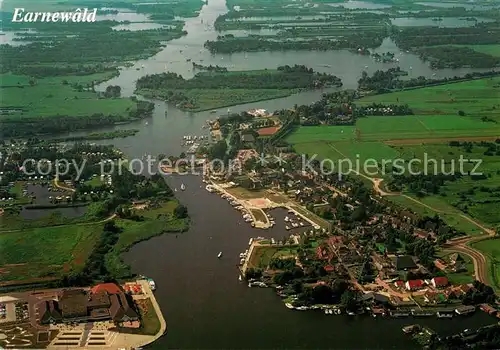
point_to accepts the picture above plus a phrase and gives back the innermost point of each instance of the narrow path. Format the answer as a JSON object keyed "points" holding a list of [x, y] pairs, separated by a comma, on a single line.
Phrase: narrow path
{"points": [[62, 187]]}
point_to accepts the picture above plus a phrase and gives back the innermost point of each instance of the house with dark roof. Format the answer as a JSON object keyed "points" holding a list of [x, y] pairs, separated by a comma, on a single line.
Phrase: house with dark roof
{"points": [[120, 309], [49, 312], [73, 304], [405, 262], [457, 263]]}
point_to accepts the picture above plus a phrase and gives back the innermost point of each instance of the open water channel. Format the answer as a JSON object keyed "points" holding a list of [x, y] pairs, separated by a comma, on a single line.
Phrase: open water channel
{"points": [[204, 304]]}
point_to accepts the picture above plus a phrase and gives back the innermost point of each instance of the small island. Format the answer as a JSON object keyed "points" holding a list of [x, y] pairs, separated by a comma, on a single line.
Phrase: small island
{"points": [[216, 88]]}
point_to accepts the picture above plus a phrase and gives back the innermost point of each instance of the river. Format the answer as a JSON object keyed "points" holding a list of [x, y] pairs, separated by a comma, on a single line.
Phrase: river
{"points": [[206, 307], [204, 304]]}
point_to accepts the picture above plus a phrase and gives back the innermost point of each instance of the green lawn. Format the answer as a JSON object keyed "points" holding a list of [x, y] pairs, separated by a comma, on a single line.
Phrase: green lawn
{"points": [[321, 133], [491, 248]]}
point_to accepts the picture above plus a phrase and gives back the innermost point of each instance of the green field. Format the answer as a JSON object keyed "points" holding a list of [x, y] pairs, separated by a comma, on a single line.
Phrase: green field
{"points": [[462, 277], [491, 248], [321, 133], [476, 98], [477, 198], [50, 98], [45, 252]]}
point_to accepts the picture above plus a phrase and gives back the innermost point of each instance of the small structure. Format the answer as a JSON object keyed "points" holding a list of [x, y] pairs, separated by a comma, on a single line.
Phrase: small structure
{"points": [[488, 309], [457, 263], [439, 282], [399, 284], [405, 262], [465, 309]]}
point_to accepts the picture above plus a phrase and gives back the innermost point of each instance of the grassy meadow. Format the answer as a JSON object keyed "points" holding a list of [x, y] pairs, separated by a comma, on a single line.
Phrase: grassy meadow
{"points": [[49, 97], [491, 248], [45, 252]]}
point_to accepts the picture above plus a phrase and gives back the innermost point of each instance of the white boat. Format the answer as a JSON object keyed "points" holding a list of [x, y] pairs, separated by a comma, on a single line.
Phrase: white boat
{"points": [[152, 284], [219, 255], [240, 278], [290, 306], [183, 187]]}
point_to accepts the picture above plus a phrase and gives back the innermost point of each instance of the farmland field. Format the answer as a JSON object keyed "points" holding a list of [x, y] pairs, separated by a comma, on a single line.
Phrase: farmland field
{"points": [[386, 128], [46, 252], [49, 97], [321, 133], [476, 98], [491, 248]]}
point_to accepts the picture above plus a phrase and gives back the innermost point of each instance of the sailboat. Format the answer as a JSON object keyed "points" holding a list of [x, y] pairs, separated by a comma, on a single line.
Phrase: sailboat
{"points": [[183, 187], [219, 255]]}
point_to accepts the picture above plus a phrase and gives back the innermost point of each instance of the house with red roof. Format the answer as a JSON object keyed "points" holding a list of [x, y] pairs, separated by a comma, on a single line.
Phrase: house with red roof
{"points": [[439, 282], [414, 284], [329, 268], [269, 131], [109, 288], [399, 284]]}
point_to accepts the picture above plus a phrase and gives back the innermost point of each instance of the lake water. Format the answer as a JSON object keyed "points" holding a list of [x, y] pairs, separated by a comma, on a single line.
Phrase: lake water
{"points": [[123, 15], [33, 214], [8, 38], [138, 26]]}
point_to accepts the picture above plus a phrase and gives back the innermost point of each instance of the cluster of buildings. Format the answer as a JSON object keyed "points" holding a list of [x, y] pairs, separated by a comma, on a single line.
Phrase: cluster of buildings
{"points": [[103, 302]]}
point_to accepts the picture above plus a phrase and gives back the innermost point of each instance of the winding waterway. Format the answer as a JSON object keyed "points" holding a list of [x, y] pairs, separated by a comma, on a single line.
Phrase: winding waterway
{"points": [[206, 307], [204, 304]]}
